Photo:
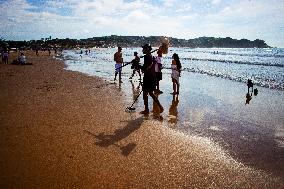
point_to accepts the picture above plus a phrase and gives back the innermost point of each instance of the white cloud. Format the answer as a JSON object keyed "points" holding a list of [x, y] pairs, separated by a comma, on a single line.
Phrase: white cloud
{"points": [[183, 8], [169, 3], [216, 2], [86, 18]]}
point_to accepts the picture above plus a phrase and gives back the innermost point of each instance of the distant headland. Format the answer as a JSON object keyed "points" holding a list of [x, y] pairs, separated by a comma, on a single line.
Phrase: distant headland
{"points": [[133, 41]]}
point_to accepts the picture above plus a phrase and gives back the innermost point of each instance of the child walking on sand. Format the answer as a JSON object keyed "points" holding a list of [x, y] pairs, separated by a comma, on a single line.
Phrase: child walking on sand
{"points": [[176, 67]]}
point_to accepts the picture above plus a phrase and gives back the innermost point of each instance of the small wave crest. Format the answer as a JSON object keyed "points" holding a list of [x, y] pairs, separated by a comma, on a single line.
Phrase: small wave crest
{"points": [[233, 62], [262, 82]]}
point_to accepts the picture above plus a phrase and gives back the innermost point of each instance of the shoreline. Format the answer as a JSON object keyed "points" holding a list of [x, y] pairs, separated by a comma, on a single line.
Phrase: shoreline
{"points": [[62, 129], [211, 107]]}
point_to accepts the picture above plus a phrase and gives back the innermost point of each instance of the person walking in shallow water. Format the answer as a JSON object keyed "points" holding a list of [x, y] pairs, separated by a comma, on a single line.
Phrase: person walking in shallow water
{"points": [[149, 79], [135, 65], [158, 70], [250, 84], [118, 64], [176, 68]]}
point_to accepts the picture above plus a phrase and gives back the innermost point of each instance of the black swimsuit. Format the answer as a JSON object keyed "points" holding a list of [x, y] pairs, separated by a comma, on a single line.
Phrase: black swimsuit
{"points": [[149, 79]]}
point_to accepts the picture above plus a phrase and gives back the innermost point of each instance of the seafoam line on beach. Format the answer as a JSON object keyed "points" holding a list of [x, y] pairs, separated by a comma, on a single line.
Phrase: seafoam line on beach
{"points": [[231, 62]]}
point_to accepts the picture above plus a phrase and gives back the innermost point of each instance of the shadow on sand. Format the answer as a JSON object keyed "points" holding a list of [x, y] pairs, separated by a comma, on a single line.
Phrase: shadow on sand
{"points": [[106, 140]]}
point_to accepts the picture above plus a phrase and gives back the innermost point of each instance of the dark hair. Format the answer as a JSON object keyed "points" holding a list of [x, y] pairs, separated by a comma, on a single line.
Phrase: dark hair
{"points": [[176, 58], [147, 47]]}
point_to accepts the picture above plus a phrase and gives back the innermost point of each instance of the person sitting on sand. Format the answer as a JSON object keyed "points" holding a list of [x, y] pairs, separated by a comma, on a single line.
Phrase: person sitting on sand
{"points": [[149, 79], [22, 59], [135, 65], [118, 63], [176, 66]]}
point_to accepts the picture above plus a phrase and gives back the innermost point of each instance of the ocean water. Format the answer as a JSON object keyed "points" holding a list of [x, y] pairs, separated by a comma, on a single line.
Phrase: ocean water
{"points": [[212, 100], [211, 84], [265, 67]]}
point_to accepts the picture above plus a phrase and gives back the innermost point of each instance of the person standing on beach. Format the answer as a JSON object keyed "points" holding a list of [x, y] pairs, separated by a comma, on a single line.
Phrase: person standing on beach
{"points": [[5, 57], [158, 70], [36, 51], [176, 67], [250, 84], [149, 79], [118, 63], [135, 65]]}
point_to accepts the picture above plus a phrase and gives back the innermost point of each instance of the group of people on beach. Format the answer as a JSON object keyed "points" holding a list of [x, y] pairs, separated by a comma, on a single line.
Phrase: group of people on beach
{"points": [[5, 58], [152, 73]]}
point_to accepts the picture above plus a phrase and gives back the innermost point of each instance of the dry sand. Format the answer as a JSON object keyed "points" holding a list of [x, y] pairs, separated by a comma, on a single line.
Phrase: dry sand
{"points": [[63, 129]]}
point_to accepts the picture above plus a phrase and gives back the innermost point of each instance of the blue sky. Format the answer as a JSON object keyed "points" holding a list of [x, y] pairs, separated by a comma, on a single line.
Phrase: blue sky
{"points": [[186, 19]]}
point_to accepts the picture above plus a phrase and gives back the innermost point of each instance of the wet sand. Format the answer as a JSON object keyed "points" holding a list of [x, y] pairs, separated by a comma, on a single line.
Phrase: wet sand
{"points": [[216, 109], [63, 129]]}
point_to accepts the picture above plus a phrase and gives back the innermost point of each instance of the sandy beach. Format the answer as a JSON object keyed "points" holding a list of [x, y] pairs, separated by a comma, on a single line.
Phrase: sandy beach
{"points": [[64, 129]]}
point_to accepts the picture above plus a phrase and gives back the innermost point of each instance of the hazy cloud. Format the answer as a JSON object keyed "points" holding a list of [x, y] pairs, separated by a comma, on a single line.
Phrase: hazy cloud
{"points": [[177, 18]]}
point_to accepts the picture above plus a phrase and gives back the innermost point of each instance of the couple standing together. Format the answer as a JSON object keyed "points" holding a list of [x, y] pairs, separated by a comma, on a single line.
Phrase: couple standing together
{"points": [[151, 76]]}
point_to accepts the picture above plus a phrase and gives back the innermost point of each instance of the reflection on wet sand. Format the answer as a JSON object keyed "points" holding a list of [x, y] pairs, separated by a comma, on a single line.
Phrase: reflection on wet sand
{"points": [[135, 89], [249, 93], [248, 98], [173, 112], [250, 144], [217, 113], [156, 110]]}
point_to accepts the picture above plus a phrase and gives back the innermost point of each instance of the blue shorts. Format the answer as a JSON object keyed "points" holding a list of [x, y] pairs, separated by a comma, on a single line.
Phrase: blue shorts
{"points": [[118, 68]]}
